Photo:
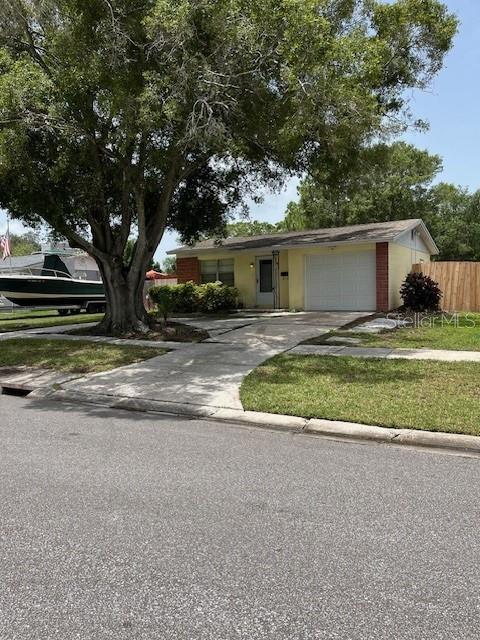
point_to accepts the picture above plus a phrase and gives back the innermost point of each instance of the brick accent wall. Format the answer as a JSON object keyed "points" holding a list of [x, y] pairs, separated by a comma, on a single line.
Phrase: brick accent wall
{"points": [[382, 276], [188, 269]]}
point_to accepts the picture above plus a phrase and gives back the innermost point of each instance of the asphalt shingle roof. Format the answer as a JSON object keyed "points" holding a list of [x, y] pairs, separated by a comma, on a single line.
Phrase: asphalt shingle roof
{"points": [[373, 232]]}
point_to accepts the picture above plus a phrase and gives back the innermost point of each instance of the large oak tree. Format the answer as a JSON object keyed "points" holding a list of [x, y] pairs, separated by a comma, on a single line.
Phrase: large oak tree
{"points": [[122, 116]]}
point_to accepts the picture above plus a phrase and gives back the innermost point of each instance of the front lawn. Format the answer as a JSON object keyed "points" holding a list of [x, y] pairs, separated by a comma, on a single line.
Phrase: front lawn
{"points": [[20, 320], [435, 396], [461, 334], [71, 356]]}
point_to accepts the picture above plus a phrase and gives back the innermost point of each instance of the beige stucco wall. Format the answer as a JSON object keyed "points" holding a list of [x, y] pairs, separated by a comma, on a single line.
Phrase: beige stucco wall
{"points": [[296, 268], [246, 277], [292, 287], [400, 261]]}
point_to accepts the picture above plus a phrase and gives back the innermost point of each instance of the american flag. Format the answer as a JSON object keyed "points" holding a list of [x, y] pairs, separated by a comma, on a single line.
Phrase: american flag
{"points": [[5, 245]]}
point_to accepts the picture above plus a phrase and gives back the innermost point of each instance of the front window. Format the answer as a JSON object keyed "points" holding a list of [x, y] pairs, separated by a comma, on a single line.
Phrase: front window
{"points": [[217, 271]]}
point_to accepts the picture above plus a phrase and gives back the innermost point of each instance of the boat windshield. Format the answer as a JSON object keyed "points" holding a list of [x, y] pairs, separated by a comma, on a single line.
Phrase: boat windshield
{"points": [[53, 262]]}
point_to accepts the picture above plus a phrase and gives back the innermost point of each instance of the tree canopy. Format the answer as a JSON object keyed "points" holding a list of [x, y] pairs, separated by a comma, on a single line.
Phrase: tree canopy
{"points": [[121, 118]]}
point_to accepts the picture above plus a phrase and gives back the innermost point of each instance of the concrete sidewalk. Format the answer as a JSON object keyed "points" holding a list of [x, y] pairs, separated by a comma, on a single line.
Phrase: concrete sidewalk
{"points": [[210, 373], [441, 355], [203, 380]]}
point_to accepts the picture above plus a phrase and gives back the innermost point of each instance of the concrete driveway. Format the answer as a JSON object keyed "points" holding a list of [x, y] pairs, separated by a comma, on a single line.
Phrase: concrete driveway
{"points": [[210, 373]]}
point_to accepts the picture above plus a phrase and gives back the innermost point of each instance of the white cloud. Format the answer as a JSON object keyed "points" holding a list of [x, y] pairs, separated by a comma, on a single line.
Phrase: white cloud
{"points": [[15, 225]]}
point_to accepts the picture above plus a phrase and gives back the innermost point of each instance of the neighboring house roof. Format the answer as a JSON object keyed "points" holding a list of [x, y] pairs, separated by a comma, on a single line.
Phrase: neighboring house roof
{"points": [[358, 233]]}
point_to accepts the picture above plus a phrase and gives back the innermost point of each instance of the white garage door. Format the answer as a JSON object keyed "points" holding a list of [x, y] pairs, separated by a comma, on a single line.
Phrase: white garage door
{"points": [[341, 282]]}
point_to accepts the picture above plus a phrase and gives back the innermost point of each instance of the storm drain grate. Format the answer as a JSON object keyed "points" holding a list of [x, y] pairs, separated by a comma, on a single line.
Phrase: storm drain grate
{"points": [[20, 392]]}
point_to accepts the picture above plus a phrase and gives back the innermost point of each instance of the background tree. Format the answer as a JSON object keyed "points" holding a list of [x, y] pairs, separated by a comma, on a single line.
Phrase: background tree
{"points": [[454, 220], [24, 244], [121, 118], [385, 183], [169, 265], [473, 225], [249, 228]]}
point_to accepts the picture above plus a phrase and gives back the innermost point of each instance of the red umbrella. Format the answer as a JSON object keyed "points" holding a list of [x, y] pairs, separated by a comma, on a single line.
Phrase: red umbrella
{"points": [[156, 275]]}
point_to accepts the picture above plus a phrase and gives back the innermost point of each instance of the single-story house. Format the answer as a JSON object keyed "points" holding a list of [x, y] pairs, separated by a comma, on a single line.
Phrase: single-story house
{"points": [[355, 268]]}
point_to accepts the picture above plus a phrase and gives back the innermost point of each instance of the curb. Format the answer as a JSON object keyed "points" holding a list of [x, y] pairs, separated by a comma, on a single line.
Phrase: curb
{"points": [[290, 424], [409, 437]]}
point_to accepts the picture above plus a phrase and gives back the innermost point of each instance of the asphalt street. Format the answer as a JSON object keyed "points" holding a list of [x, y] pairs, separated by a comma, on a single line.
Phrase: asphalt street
{"points": [[116, 524]]}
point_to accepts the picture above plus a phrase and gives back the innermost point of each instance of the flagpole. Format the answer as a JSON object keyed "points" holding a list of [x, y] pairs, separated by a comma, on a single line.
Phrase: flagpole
{"points": [[9, 247]]}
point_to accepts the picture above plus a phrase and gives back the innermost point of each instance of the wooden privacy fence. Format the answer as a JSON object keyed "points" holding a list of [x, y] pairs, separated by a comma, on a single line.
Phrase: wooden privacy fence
{"points": [[459, 282]]}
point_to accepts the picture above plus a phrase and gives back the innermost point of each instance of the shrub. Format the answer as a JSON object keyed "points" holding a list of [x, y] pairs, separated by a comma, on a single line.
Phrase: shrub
{"points": [[420, 293], [216, 296], [186, 297], [165, 299], [190, 297]]}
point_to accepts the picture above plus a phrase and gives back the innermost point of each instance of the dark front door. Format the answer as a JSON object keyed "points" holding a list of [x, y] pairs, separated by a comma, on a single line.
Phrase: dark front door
{"points": [[265, 282]]}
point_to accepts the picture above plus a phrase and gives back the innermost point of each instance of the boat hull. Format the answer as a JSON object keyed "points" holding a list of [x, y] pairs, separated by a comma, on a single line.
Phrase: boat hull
{"points": [[37, 291]]}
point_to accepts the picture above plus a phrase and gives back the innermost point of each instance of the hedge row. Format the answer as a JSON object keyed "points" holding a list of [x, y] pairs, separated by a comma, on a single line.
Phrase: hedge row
{"points": [[190, 298]]}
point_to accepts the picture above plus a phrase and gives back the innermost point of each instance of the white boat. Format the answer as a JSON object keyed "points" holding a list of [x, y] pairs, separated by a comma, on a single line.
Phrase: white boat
{"points": [[52, 285]]}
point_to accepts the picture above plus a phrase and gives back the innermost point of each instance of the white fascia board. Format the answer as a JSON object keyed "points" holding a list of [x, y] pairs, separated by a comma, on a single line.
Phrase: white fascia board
{"points": [[195, 252], [309, 245], [425, 233]]}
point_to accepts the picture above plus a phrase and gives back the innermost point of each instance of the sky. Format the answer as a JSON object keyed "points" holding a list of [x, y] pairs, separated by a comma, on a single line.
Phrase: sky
{"points": [[451, 106]]}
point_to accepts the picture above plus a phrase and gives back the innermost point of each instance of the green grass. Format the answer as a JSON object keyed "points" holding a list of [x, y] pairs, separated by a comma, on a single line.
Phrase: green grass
{"points": [[461, 335], [435, 396], [71, 356], [18, 320], [24, 313]]}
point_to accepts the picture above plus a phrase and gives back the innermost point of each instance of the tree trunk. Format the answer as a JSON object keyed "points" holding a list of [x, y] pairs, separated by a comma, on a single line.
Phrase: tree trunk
{"points": [[124, 285], [125, 312]]}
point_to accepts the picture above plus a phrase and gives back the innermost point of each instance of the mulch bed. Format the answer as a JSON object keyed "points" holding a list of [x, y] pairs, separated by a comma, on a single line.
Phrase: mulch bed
{"points": [[172, 332]]}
